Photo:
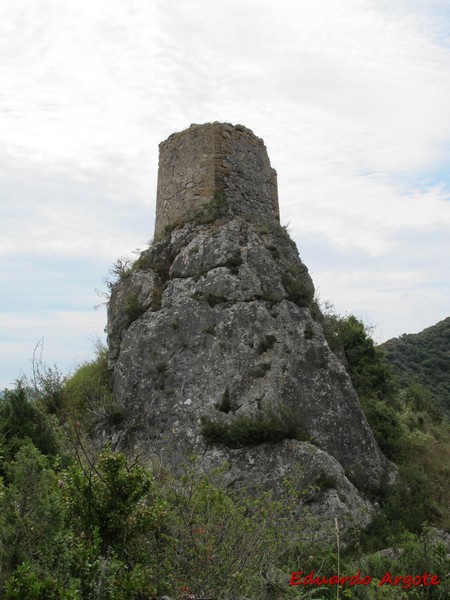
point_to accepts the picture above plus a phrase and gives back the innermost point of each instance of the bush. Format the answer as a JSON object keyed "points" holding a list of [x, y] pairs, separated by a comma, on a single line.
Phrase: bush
{"points": [[114, 499], [216, 208], [412, 554], [387, 427], [230, 546], [25, 584], [250, 430], [369, 371], [133, 308], [22, 419], [297, 290], [87, 395], [31, 509]]}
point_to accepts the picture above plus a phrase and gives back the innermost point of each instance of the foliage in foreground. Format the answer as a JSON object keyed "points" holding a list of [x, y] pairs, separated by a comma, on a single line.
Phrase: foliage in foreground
{"points": [[109, 529], [79, 523]]}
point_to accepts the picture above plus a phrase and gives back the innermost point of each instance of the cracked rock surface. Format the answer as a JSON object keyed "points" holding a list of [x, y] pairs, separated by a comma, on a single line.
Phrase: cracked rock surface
{"points": [[216, 323]]}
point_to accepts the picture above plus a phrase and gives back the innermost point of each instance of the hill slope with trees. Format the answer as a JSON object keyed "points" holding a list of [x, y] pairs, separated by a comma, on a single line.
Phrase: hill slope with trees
{"points": [[423, 358], [83, 519]]}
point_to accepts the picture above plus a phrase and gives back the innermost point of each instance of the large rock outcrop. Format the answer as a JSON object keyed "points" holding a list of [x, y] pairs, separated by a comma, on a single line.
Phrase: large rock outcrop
{"points": [[215, 340]]}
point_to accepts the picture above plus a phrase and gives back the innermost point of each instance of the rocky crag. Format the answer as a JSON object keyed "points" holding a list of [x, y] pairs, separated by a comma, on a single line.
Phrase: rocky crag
{"points": [[215, 339]]}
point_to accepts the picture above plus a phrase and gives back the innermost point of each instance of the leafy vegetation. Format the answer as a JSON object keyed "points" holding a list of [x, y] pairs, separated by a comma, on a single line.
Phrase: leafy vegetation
{"points": [[133, 308], [22, 419], [216, 208], [297, 291], [251, 430], [81, 522], [120, 271], [234, 262], [87, 396], [423, 358], [409, 428]]}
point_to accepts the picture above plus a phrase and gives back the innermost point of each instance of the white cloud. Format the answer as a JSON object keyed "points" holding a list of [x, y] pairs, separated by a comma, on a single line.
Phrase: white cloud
{"points": [[351, 99], [394, 301], [68, 340], [363, 213]]}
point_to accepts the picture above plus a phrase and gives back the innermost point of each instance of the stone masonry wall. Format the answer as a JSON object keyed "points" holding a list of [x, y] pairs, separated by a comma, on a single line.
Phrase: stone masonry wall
{"points": [[215, 162]]}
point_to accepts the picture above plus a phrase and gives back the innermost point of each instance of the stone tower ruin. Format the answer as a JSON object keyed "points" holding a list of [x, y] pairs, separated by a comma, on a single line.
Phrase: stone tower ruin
{"points": [[215, 162], [214, 330]]}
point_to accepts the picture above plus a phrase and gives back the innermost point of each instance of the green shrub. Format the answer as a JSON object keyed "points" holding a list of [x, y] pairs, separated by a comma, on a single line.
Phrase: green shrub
{"points": [[251, 430], [114, 499], [412, 554], [31, 509], [266, 343], [25, 584], [133, 308], [419, 398], [217, 208], [370, 373], [22, 419], [47, 387], [422, 358], [234, 262], [387, 427], [297, 289], [88, 397], [226, 545], [121, 270]]}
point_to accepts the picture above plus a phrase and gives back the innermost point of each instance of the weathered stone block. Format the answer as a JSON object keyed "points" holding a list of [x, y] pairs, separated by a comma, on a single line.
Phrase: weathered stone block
{"points": [[215, 158]]}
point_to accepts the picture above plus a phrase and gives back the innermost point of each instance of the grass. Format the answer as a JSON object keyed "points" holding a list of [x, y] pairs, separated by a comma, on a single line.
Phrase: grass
{"points": [[133, 308], [251, 430], [293, 283]]}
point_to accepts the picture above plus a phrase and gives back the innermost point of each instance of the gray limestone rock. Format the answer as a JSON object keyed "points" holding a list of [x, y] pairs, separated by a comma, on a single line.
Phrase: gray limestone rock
{"points": [[216, 348], [302, 470], [232, 334]]}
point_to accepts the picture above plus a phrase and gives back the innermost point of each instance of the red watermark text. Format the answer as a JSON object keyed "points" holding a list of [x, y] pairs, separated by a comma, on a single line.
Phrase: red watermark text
{"points": [[404, 581]]}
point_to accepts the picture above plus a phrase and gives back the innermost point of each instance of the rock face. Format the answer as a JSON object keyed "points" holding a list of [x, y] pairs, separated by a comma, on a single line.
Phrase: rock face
{"points": [[215, 340]]}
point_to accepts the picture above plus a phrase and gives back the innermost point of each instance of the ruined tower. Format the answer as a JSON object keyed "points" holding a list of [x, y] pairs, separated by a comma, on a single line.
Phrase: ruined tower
{"points": [[215, 330], [215, 162]]}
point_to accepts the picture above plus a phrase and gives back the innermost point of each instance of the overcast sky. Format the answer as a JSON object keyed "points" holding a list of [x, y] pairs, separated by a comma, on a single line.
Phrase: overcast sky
{"points": [[352, 99]]}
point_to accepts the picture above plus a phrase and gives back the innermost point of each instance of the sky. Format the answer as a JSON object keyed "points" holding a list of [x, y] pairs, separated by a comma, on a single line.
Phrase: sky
{"points": [[352, 99]]}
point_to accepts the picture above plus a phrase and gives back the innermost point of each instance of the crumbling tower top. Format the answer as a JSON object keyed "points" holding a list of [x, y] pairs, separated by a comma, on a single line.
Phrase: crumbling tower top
{"points": [[216, 164]]}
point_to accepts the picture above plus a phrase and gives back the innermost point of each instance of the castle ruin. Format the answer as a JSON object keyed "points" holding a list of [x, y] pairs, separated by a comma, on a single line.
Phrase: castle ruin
{"points": [[214, 163], [214, 330]]}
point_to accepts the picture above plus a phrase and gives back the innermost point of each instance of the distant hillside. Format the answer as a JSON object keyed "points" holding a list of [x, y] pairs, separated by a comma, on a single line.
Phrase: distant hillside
{"points": [[423, 358]]}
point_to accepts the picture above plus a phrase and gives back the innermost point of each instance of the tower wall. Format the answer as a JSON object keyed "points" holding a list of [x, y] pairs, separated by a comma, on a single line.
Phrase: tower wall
{"points": [[215, 162]]}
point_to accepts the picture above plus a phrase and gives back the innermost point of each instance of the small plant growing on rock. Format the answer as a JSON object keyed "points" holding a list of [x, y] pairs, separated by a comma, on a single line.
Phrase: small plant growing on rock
{"points": [[227, 405], [121, 269], [234, 262], [266, 343], [209, 329], [251, 430], [294, 283], [133, 308], [259, 370], [216, 208]]}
